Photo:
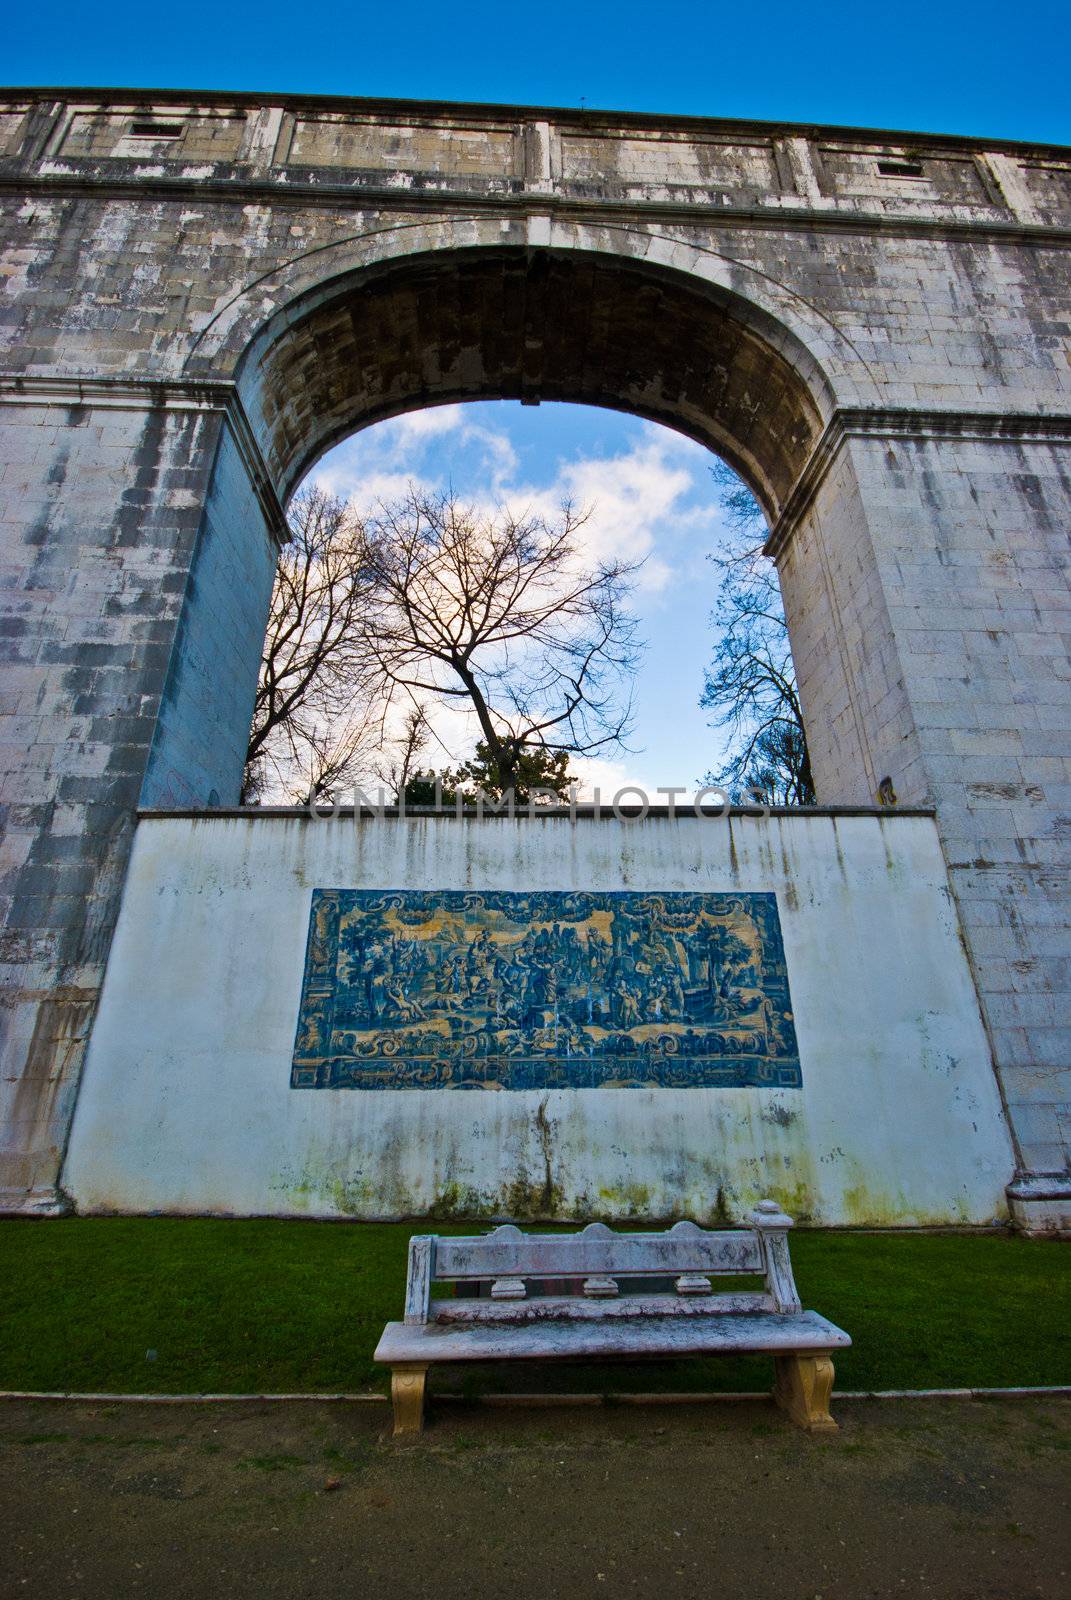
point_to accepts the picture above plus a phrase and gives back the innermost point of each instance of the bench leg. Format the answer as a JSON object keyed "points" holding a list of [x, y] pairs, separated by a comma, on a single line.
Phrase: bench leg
{"points": [[802, 1387], [407, 1396]]}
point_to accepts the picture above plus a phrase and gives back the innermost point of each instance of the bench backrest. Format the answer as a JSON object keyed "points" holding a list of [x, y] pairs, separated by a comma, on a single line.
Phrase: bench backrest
{"points": [[587, 1266]]}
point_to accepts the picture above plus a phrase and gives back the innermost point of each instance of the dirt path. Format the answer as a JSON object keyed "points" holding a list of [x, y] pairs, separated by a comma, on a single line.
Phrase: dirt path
{"points": [[924, 1498]]}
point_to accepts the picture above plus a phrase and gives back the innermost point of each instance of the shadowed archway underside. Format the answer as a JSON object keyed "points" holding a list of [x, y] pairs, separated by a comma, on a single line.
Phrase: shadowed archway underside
{"points": [[531, 326]]}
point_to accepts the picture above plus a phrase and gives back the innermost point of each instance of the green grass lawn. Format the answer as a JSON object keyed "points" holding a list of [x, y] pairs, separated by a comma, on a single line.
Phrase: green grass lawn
{"points": [[269, 1306]]}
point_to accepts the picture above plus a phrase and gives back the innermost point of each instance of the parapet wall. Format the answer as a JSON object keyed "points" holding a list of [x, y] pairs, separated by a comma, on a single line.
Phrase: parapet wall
{"points": [[420, 150], [646, 1018]]}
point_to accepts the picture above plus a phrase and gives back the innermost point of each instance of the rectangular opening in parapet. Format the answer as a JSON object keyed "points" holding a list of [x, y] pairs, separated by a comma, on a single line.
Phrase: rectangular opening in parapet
{"points": [[156, 130], [900, 169]]}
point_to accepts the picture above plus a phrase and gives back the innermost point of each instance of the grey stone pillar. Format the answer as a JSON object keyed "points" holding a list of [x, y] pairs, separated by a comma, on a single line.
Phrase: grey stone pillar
{"points": [[925, 567], [122, 590]]}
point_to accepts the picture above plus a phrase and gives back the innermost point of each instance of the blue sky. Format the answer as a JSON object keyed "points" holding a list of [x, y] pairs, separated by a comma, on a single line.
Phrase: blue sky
{"points": [[979, 68]]}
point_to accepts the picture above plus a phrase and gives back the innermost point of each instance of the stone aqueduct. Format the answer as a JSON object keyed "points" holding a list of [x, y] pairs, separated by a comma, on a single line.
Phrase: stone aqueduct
{"points": [[202, 293]]}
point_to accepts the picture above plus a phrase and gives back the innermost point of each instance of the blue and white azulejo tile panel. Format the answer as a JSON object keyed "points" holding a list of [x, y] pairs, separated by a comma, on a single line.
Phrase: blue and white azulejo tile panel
{"points": [[574, 989]]}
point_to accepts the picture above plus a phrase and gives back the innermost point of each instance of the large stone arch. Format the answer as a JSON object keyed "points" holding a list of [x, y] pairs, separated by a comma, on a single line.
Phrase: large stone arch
{"points": [[464, 308], [533, 325], [246, 318], [339, 339]]}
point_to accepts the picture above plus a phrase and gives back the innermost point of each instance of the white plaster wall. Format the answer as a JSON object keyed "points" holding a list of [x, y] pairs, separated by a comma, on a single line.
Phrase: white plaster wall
{"points": [[186, 1103]]}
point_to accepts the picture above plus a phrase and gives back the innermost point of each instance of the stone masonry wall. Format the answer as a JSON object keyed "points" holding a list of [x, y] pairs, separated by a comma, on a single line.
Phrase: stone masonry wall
{"points": [[841, 644], [972, 550], [913, 300], [950, 596], [100, 513], [188, 1106], [202, 730]]}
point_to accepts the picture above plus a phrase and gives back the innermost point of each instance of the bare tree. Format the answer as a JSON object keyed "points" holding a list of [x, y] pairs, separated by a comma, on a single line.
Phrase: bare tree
{"points": [[751, 682], [499, 612], [316, 712], [398, 767]]}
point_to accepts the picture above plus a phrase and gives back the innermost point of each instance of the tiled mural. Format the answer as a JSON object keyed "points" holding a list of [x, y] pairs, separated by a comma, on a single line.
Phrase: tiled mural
{"points": [[454, 989]]}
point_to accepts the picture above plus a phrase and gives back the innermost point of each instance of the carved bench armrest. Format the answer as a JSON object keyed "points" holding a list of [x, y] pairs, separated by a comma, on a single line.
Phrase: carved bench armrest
{"points": [[771, 1227], [419, 1277]]}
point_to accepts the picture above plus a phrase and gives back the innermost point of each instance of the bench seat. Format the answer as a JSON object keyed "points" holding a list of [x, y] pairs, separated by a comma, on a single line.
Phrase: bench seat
{"points": [[583, 1338], [597, 1295]]}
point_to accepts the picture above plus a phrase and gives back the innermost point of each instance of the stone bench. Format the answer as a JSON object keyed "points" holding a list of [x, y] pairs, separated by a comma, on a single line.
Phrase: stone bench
{"points": [[608, 1299]]}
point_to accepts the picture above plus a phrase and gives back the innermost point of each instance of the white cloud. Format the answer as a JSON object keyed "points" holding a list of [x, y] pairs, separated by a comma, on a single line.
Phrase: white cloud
{"points": [[609, 777], [499, 456], [416, 426], [365, 489], [380, 462], [633, 498]]}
